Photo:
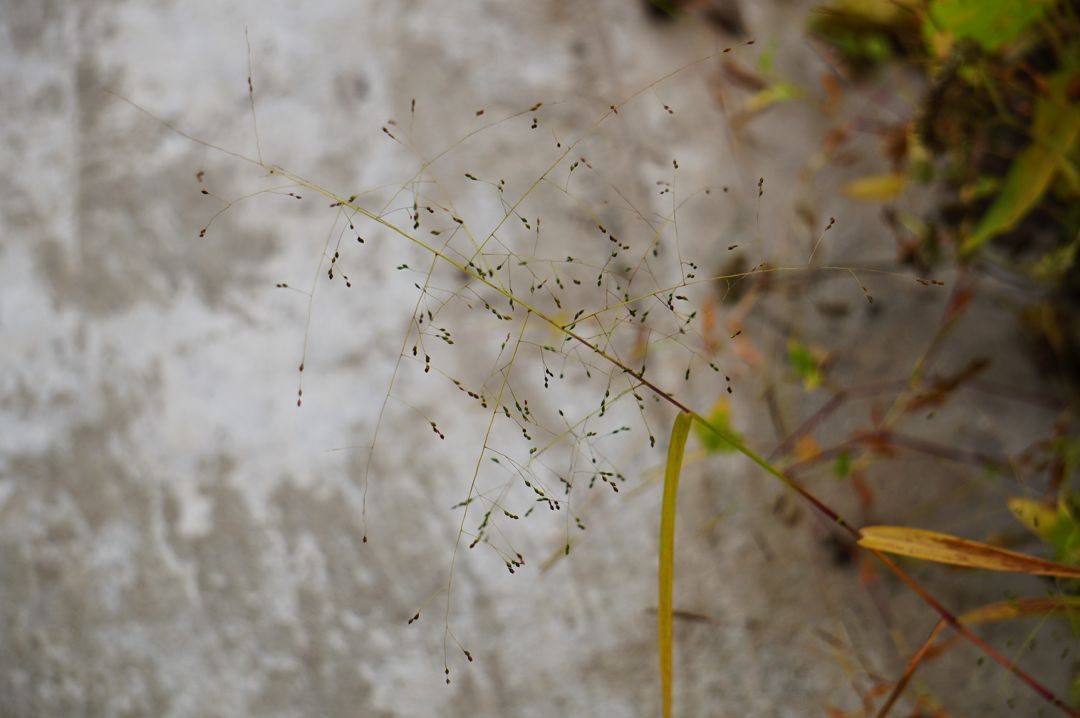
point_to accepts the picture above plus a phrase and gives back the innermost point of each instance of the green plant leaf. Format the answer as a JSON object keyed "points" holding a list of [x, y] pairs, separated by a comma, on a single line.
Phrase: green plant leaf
{"points": [[1057, 122], [720, 417], [805, 363], [842, 465], [1065, 536], [676, 447], [943, 548], [990, 23]]}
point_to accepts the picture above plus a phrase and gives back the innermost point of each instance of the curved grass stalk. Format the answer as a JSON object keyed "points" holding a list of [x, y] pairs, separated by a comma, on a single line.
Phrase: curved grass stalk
{"points": [[679, 431]]}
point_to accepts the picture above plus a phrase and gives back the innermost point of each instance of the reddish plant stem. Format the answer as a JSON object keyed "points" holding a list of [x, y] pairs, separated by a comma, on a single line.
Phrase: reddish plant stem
{"points": [[926, 596], [909, 671], [819, 416], [967, 633]]}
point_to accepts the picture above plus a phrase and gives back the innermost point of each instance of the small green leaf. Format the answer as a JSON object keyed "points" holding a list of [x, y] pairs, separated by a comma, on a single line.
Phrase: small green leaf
{"points": [[842, 465], [1065, 538], [720, 417], [805, 364]]}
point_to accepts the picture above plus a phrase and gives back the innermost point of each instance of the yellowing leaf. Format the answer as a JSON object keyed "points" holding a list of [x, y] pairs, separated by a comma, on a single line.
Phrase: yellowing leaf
{"points": [[1036, 516], [679, 431], [943, 548], [876, 188], [1005, 610]]}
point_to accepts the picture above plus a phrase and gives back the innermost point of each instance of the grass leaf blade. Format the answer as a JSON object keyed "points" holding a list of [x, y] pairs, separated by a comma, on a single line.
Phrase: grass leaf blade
{"points": [[1021, 608], [943, 548], [679, 431]]}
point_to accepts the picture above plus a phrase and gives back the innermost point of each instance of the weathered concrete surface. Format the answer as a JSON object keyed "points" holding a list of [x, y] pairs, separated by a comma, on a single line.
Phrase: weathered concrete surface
{"points": [[178, 539]]}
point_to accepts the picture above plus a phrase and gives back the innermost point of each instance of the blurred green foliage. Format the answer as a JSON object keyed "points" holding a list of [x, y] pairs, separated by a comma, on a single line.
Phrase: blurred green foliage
{"points": [[999, 117], [991, 23], [995, 132], [720, 417]]}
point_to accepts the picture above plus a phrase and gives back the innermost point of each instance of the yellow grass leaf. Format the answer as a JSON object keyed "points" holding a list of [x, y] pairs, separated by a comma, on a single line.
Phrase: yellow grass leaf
{"points": [[679, 431], [1035, 515], [876, 188], [1005, 610], [943, 548]]}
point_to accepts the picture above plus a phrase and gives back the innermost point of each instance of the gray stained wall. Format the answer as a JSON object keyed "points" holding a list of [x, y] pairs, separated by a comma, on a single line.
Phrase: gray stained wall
{"points": [[177, 538]]}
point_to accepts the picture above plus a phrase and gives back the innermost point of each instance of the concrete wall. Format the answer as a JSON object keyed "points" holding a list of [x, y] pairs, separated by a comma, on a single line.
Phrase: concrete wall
{"points": [[177, 538]]}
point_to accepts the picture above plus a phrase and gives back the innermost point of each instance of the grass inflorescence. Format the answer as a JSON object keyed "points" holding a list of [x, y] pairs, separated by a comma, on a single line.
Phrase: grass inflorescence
{"points": [[590, 322]]}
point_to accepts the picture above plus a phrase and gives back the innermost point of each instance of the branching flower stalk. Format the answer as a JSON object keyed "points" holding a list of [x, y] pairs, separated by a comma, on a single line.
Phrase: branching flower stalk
{"points": [[946, 615]]}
